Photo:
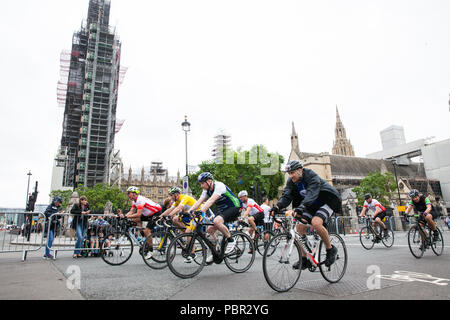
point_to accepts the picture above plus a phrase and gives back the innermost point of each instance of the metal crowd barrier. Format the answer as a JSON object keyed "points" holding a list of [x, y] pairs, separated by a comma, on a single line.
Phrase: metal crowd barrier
{"points": [[348, 225], [92, 229], [27, 235]]}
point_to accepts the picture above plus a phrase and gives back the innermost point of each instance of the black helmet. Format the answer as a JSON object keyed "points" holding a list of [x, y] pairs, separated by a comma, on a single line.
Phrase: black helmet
{"points": [[57, 199], [367, 196], [293, 165], [413, 193], [174, 190], [203, 177]]}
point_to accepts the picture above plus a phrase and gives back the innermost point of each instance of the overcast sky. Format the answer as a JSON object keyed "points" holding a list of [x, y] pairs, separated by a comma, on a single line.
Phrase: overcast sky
{"points": [[249, 67]]}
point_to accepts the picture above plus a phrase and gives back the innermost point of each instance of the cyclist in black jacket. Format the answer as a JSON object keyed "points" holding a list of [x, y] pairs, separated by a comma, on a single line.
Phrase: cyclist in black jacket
{"points": [[314, 200]]}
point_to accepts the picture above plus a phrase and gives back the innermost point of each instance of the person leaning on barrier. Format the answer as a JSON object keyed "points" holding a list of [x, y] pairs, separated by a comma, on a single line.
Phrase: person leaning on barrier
{"points": [[52, 209], [80, 213]]}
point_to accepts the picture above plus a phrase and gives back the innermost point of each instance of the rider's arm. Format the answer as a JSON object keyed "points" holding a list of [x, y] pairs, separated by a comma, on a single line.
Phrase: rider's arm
{"points": [[198, 203], [363, 211], [133, 213], [177, 210], [247, 212], [167, 212], [313, 189], [210, 202], [408, 210]]}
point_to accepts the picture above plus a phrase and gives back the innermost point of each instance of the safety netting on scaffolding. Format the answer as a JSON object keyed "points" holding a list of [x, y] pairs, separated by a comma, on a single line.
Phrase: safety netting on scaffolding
{"points": [[61, 91]]}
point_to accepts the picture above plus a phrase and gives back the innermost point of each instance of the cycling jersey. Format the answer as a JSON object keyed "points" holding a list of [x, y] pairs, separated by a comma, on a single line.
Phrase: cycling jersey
{"points": [[421, 206], [252, 204], [186, 201], [227, 198], [373, 205], [149, 208]]}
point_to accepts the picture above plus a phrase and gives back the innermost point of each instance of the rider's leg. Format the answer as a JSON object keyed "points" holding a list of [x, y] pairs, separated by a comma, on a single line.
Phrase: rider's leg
{"points": [[431, 222], [317, 224], [251, 221], [219, 225], [301, 229]]}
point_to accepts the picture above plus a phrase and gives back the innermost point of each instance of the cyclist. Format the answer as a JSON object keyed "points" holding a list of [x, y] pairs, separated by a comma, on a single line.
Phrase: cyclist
{"points": [[228, 205], [314, 200], [254, 212], [143, 209], [379, 211], [423, 205], [182, 203]]}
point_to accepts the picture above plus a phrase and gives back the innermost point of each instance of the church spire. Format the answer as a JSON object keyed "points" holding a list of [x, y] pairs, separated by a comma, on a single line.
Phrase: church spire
{"points": [[341, 145]]}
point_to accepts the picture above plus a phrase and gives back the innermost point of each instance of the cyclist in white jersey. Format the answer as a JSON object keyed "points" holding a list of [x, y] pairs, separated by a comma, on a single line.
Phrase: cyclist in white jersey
{"points": [[143, 209], [377, 208], [254, 212]]}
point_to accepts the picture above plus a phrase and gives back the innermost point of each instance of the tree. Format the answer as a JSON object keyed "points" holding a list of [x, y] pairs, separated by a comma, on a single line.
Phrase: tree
{"points": [[245, 171], [378, 185], [100, 194], [64, 194]]}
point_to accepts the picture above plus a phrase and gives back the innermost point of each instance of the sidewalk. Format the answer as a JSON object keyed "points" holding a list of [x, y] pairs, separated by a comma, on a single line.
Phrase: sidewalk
{"points": [[34, 279]]}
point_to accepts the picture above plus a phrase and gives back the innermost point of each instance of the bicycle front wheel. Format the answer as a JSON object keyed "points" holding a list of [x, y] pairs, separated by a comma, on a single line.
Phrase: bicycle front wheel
{"points": [[336, 271], [262, 241], [186, 255], [116, 249], [367, 238], [415, 242], [388, 239], [437, 246], [160, 240], [243, 255], [280, 255]]}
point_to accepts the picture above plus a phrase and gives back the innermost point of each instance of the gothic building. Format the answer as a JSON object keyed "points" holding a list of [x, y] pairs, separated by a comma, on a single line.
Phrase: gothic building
{"points": [[342, 145]]}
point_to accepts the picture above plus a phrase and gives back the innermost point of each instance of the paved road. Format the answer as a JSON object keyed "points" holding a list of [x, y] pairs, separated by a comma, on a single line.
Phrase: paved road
{"points": [[135, 280]]}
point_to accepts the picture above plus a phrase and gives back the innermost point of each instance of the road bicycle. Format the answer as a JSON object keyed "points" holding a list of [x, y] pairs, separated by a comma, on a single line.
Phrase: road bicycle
{"points": [[370, 234], [285, 250], [118, 246], [260, 237], [420, 238], [187, 253]]}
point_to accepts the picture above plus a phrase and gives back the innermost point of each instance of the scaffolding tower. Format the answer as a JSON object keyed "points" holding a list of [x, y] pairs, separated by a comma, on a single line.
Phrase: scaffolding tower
{"points": [[90, 100]]}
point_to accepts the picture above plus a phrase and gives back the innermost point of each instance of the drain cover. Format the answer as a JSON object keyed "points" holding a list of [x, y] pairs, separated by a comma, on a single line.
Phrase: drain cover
{"points": [[342, 288]]}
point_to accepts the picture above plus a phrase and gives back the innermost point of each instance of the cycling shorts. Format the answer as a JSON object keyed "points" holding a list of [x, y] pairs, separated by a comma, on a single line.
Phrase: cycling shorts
{"points": [[259, 218], [151, 220], [381, 215], [230, 214], [324, 212]]}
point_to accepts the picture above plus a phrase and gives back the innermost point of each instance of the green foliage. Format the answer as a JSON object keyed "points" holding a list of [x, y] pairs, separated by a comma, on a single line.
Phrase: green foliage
{"points": [[240, 175], [64, 194], [378, 185], [100, 194], [97, 197]]}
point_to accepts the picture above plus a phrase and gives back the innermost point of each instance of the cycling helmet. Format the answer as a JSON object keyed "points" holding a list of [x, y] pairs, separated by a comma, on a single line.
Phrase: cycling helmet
{"points": [[293, 165], [133, 189], [243, 193], [174, 190], [413, 193], [203, 177], [367, 196]]}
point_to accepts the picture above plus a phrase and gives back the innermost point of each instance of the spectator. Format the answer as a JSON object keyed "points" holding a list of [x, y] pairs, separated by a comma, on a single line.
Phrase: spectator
{"points": [[52, 209], [447, 221], [80, 213], [268, 220]]}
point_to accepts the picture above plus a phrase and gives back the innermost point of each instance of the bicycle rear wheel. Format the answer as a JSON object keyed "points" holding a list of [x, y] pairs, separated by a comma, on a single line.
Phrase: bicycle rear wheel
{"points": [[415, 242], [160, 242], [281, 253], [388, 240], [437, 246], [186, 255], [116, 249], [262, 241], [336, 271], [367, 238], [240, 260]]}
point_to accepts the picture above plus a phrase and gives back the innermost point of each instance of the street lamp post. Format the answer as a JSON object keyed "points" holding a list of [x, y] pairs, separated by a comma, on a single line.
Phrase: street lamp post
{"points": [[28, 189], [394, 162], [186, 128]]}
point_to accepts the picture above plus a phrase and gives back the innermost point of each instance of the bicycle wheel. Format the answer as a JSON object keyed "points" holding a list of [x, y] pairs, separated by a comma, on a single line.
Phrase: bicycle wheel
{"points": [[336, 271], [116, 249], [240, 260], [415, 242], [281, 253], [367, 238], [437, 246], [388, 240], [180, 249], [262, 241], [160, 242]]}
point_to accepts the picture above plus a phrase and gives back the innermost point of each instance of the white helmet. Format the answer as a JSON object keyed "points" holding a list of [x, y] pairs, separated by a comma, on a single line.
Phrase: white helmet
{"points": [[243, 193], [133, 189]]}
